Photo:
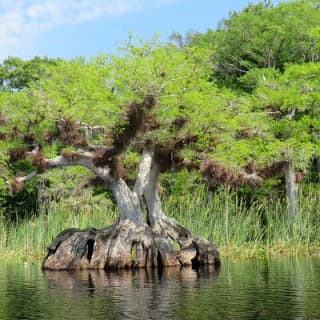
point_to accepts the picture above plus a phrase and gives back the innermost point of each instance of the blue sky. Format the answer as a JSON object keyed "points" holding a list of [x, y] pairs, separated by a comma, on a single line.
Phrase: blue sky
{"points": [[69, 28]]}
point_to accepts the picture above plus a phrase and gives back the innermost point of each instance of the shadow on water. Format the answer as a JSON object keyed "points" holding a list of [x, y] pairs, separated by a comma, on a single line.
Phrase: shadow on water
{"points": [[274, 288], [100, 280], [138, 294]]}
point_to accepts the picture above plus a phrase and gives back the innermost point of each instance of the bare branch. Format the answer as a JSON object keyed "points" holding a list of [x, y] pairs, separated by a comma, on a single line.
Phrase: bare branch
{"points": [[274, 113], [80, 158], [67, 158], [27, 177], [99, 147]]}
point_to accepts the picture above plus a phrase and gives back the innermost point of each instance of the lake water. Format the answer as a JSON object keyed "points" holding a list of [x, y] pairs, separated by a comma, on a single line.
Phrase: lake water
{"points": [[275, 288]]}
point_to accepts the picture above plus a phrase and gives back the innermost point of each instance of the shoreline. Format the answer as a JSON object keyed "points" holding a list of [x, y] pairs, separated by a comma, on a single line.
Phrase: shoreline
{"points": [[261, 229], [244, 252]]}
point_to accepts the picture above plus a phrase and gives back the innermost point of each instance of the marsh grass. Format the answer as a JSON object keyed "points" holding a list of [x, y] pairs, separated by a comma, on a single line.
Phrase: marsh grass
{"points": [[28, 239], [257, 229], [238, 228]]}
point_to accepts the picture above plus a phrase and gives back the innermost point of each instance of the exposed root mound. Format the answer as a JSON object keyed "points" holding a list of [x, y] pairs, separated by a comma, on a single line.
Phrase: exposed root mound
{"points": [[127, 245]]}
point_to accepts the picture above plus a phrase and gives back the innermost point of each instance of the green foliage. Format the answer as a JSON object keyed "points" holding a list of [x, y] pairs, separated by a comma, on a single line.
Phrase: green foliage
{"points": [[74, 89], [17, 74], [248, 90], [261, 227], [29, 238], [21, 205], [292, 100], [264, 36]]}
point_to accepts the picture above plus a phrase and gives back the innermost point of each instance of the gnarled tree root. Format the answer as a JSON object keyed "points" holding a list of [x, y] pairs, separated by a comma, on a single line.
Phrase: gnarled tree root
{"points": [[126, 245]]}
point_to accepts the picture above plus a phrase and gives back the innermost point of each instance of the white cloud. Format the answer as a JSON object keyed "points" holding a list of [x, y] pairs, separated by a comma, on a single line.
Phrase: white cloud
{"points": [[23, 21]]}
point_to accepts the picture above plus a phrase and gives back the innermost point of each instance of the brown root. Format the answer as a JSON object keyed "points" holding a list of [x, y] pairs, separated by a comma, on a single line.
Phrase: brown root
{"points": [[124, 133], [299, 177], [250, 167], [94, 182], [149, 101], [122, 246]]}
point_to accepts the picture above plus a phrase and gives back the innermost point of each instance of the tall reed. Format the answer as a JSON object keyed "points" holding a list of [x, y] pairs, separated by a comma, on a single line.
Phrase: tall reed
{"points": [[29, 237], [224, 218], [261, 226]]}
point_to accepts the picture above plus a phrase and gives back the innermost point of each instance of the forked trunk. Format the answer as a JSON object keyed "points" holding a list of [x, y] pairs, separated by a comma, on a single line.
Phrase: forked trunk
{"points": [[130, 242], [193, 250]]}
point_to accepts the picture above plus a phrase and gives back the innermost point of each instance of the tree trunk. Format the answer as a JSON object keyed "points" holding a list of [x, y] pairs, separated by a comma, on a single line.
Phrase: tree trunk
{"points": [[130, 242], [292, 190], [318, 168], [127, 202], [194, 250]]}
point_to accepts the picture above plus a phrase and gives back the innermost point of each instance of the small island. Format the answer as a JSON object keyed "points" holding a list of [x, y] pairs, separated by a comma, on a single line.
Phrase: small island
{"points": [[200, 146]]}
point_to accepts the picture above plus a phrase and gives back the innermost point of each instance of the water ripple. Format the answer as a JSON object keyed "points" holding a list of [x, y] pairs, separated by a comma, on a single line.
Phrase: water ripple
{"points": [[275, 288]]}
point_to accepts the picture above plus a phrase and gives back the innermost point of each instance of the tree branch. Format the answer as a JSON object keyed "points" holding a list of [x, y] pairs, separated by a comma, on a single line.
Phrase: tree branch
{"points": [[27, 177], [81, 158], [67, 158]]}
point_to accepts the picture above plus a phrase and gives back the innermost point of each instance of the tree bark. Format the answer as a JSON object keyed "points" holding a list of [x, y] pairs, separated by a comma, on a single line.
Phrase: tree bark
{"points": [[194, 250], [129, 242], [127, 202], [318, 168], [292, 190]]}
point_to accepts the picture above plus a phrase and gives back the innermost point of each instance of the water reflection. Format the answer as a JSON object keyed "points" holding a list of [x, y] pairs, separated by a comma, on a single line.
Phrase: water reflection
{"points": [[139, 294], [275, 288]]}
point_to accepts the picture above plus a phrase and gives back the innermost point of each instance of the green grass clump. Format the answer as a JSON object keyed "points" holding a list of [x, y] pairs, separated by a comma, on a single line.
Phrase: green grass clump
{"points": [[249, 229], [238, 228], [29, 238]]}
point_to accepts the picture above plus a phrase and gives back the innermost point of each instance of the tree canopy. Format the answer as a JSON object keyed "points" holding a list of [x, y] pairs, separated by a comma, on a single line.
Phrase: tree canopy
{"points": [[238, 105], [263, 36]]}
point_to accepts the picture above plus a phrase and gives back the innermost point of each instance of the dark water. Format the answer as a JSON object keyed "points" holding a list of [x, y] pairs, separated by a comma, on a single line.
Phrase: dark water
{"points": [[275, 288]]}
